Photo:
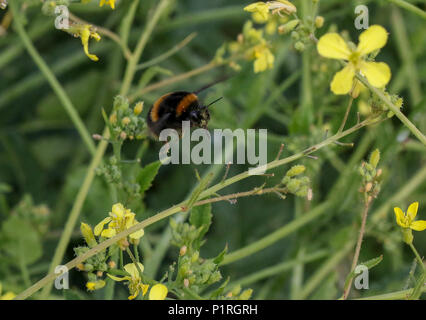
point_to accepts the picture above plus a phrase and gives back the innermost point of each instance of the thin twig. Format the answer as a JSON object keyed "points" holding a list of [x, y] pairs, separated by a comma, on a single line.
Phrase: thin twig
{"points": [[358, 247], [167, 54]]}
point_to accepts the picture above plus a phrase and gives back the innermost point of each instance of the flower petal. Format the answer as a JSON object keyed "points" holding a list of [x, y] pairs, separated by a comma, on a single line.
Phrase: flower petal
{"points": [[332, 45], [399, 215], [100, 226], [259, 7], [115, 278], [132, 270], [418, 225], [144, 288], [108, 233], [412, 210], [118, 210], [158, 292], [375, 37], [343, 80], [377, 73]]}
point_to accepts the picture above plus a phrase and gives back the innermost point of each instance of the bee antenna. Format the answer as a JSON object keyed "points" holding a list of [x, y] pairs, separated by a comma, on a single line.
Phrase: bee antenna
{"points": [[213, 102]]}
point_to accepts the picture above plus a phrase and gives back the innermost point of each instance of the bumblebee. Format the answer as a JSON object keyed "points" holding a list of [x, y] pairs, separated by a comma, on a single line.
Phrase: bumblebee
{"points": [[171, 109]]}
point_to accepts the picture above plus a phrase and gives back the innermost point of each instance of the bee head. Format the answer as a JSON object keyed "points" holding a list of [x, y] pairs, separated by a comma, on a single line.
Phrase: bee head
{"points": [[200, 117]]}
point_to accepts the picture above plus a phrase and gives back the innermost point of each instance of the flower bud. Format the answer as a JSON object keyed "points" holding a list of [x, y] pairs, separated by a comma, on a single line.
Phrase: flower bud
{"points": [[375, 158], [296, 170], [319, 21], [289, 26], [183, 250], [125, 121], [246, 294], [88, 235], [299, 46], [138, 108]]}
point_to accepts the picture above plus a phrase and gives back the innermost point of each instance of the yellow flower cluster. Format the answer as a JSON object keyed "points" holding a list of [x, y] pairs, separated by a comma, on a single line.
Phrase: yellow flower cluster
{"points": [[378, 74], [119, 220], [276, 7]]}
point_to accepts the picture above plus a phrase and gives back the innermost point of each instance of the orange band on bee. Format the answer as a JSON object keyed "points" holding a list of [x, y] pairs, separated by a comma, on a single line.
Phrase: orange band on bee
{"points": [[156, 107], [185, 103]]}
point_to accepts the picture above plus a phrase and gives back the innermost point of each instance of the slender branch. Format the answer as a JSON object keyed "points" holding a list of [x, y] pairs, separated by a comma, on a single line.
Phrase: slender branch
{"points": [[394, 109], [172, 80], [347, 290], [345, 118], [418, 258], [167, 54]]}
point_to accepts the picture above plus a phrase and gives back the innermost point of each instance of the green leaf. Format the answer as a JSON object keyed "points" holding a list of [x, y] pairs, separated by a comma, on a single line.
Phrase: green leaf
{"points": [[201, 216], [369, 264], [219, 258], [22, 241], [147, 175]]}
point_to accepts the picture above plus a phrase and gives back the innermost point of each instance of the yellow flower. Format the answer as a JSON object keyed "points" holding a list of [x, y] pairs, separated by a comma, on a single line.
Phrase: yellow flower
{"points": [[85, 32], [158, 292], [378, 74], [264, 59], [119, 220], [7, 296], [95, 285], [407, 220], [134, 279], [262, 8], [110, 2]]}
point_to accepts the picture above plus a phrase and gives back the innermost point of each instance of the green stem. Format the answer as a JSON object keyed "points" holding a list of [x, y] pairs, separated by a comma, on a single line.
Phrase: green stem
{"points": [[54, 83], [345, 118], [419, 259], [397, 295], [135, 262], [410, 7], [406, 54], [394, 109], [133, 61]]}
